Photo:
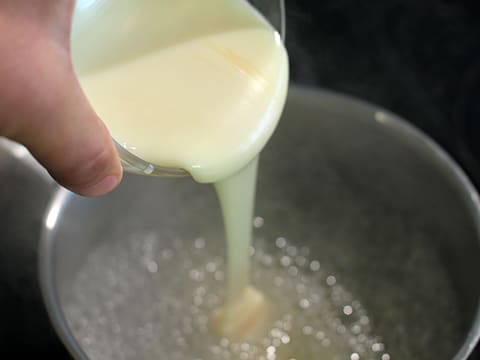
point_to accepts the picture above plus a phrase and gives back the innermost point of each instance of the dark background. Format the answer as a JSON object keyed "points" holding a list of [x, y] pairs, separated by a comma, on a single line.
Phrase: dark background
{"points": [[417, 58]]}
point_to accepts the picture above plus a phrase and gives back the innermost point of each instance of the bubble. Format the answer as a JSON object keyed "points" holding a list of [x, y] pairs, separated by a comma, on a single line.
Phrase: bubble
{"points": [[285, 339], [315, 265], [245, 346], [152, 266], [326, 342], [364, 320], [355, 356], [291, 250], [196, 275], [285, 260], [356, 329], [199, 243], [331, 280], [385, 357], [258, 222], [301, 261], [281, 242], [293, 271], [211, 267], [304, 303], [276, 342], [286, 323], [307, 330], [271, 350], [347, 310], [275, 332]]}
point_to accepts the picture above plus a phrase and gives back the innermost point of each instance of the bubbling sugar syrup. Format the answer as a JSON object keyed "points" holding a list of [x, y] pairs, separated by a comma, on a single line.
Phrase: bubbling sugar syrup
{"points": [[140, 299]]}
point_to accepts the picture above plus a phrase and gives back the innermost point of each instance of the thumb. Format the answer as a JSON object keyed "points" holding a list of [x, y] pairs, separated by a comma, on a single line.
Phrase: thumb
{"points": [[51, 116], [41, 103], [75, 147], [72, 143]]}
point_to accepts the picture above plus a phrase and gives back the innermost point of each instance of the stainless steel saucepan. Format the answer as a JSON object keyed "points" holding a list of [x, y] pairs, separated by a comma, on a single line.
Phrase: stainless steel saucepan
{"points": [[375, 200]]}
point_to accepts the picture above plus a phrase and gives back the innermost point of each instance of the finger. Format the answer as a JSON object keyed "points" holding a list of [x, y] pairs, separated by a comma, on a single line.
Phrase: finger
{"points": [[41, 103], [61, 129]]}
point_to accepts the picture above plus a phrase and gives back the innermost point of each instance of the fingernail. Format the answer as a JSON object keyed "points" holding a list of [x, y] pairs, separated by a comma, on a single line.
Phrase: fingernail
{"points": [[104, 186]]}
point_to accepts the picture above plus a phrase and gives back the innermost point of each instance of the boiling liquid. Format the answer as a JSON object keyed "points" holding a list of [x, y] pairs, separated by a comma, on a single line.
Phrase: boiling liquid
{"points": [[124, 307]]}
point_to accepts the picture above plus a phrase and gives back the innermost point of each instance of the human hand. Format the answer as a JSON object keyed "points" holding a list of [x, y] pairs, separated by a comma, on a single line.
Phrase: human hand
{"points": [[42, 105]]}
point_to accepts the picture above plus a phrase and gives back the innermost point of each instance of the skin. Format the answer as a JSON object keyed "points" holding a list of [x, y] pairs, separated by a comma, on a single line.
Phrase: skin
{"points": [[41, 103]]}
